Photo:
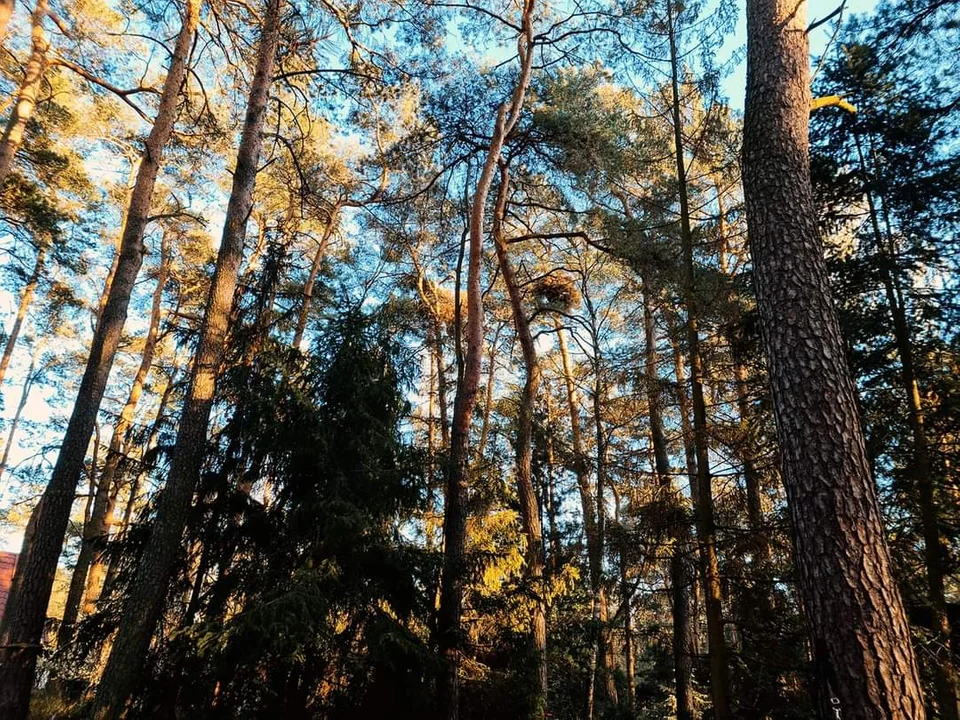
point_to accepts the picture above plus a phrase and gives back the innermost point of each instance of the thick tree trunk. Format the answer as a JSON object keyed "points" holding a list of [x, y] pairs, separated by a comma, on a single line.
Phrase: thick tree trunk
{"points": [[678, 528], [706, 526], [145, 604], [858, 626], [454, 525], [90, 566], [26, 608], [29, 290], [529, 507], [29, 91]]}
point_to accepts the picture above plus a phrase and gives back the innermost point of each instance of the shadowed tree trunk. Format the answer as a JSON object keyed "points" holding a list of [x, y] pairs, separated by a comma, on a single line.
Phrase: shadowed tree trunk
{"points": [[706, 525], [678, 529], [88, 571], [146, 600], [922, 471], [859, 631], [27, 604]]}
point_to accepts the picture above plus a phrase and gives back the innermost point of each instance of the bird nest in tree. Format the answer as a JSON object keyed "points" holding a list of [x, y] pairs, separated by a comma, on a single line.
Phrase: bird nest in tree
{"points": [[556, 291], [441, 301]]}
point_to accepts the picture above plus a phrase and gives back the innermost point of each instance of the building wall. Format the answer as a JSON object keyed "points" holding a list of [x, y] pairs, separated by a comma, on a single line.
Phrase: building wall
{"points": [[8, 561]]}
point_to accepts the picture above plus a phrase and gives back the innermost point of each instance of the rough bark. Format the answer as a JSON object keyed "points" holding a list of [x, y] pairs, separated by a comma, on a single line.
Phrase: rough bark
{"points": [[529, 507], [29, 290], [28, 92], [145, 603], [26, 608], [858, 627], [454, 525], [90, 565], [706, 526]]}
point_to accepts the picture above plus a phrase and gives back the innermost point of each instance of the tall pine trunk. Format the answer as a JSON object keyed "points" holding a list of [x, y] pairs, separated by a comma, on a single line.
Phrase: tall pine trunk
{"points": [[529, 507], [90, 565], [26, 608], [449, 631], [678, 528], [589, 510], [921, 469], [859, 630], [706, 526], [145, 603]]}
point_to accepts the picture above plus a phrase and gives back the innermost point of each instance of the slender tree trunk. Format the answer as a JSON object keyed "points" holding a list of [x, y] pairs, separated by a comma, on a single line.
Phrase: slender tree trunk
{"points": [[589, 509], [529, 507], [15, 422], [88, 572], [678, 529], [28, 92], [307, 302], [858, 626], [943, 666], [29, 290], [454, 526], [26, 608], [706, 526], [602, 648], [134, 489], [488, 391], [147, 596]]}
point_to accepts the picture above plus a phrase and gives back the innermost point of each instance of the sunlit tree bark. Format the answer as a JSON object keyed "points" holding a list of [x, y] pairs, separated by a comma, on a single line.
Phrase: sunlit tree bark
{"points": [[859, 630]]}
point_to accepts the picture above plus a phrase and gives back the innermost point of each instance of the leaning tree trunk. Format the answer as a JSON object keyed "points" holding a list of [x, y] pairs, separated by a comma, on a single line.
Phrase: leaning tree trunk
{"points": [[26, 101], [29, 290], [706, 525], [88, 571], [859, 630], [26, 608], [304, 315], [529, 507], [145, 603], [454, 523]]}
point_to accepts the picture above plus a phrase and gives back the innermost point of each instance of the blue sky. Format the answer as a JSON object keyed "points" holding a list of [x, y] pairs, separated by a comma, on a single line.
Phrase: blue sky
{"points": [[735, 85]]}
